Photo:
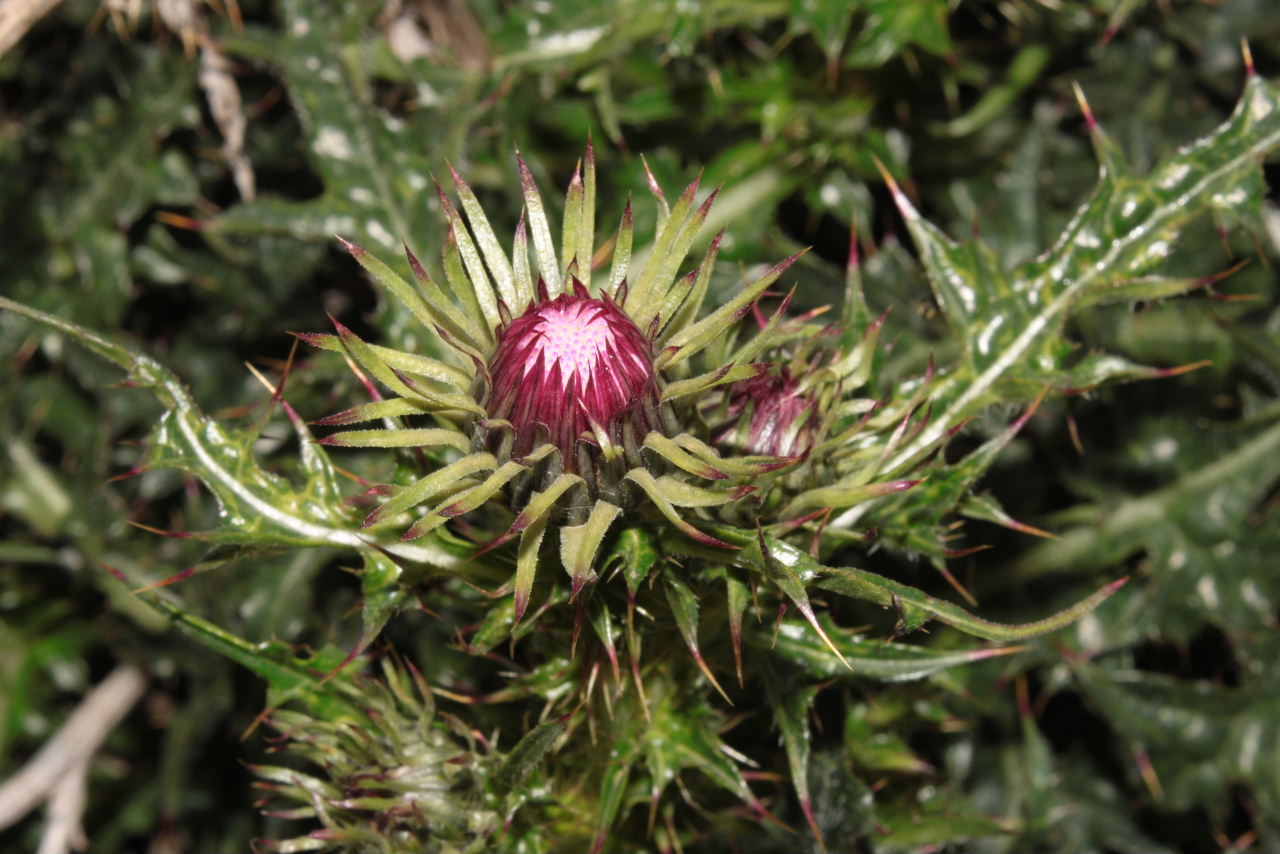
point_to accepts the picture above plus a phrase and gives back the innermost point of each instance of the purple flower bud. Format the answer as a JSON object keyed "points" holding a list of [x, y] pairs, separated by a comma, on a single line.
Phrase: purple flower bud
{"points": [[781, 415], [571, 366]]}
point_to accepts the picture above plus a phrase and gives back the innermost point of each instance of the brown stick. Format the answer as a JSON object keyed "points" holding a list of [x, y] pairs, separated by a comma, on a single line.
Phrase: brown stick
{"points": [[18, 16], [70, 748]]}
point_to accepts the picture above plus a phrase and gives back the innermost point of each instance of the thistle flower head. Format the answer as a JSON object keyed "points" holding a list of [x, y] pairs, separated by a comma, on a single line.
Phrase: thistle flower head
{"points": [[578, 407], [570, 367], [778, 414]]}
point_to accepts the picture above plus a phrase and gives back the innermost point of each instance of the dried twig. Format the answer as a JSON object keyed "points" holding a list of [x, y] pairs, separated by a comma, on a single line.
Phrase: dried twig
{"points": [[57, 772], [18, 16], [64, 830]]}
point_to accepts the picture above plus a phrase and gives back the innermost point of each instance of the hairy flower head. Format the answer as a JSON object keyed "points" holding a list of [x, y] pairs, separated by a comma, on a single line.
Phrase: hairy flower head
{"points": [[570, 367], [778, 413], [565, 397]]}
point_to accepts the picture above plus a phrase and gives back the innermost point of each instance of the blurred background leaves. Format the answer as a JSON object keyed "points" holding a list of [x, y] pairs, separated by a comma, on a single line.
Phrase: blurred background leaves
{"points": [[1151, 723]]}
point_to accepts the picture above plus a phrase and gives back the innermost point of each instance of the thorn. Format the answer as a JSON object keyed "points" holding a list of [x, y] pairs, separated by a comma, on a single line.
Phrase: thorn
{"points": [[579, 617], [1183, 369], [854, 261], [133, 472], [654, 186], [815, 543], [706, 671], [1247, 53], [1024, 698], [578, 581], [889, 180], [118, 574], [1024, 528], [186, 223], [1074, 430], [996, 652], [1085, 110], [175, 535], [955, 582], [807, 806], [165, 582], [275, 392], [1225, 241], [1148, 773], [351, 656], [1209, 281], [1016, 426], [356, 251]]}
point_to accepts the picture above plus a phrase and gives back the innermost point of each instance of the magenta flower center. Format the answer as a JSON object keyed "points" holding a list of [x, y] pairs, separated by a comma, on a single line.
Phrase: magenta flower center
{"points": [[570, 367]]}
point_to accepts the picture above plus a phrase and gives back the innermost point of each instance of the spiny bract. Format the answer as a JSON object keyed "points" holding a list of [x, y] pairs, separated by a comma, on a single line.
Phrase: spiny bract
{"points": [[570, 397]]}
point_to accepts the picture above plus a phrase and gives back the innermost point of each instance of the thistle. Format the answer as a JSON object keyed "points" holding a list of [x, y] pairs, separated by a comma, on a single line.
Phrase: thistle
{"points": [[569, 398], [394, 775]]}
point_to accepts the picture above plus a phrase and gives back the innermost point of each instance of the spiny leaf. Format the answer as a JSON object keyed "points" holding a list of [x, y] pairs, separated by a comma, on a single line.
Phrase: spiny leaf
{"points": [[679, 457], [683, 494], [792, 569], [791, 577], [721, 376], [374, 411], [526, 755], [791, 712], [692, 339], [669, 249], [426, 488], [259, 507], [871, 659], [657, 494], [381, 595], [684, 607], [621, 264], [684, 300], [408, 363], [1126, 227], [527, 563], [289, 677], [638, 554]]}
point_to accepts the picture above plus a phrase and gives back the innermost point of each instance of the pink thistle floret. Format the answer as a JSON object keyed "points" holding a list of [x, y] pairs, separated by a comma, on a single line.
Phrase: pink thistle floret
{"points": [[571, 366], [782, 416]]}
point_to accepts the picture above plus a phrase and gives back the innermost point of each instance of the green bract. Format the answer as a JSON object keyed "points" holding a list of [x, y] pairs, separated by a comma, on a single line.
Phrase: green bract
{"points": [[569, 440]]}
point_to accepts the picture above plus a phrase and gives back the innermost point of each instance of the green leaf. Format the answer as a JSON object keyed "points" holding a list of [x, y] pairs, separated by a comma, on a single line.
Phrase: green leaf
{"points": [[579, 544], [867, 658], [381, 595], [790, 707], [429, 437], [288, 677], [259, 508], [1011, 320], [1182, 527], [526, 755], [375, 166], [891, 27], [793, 569], [638, 554], [684, 607]]}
